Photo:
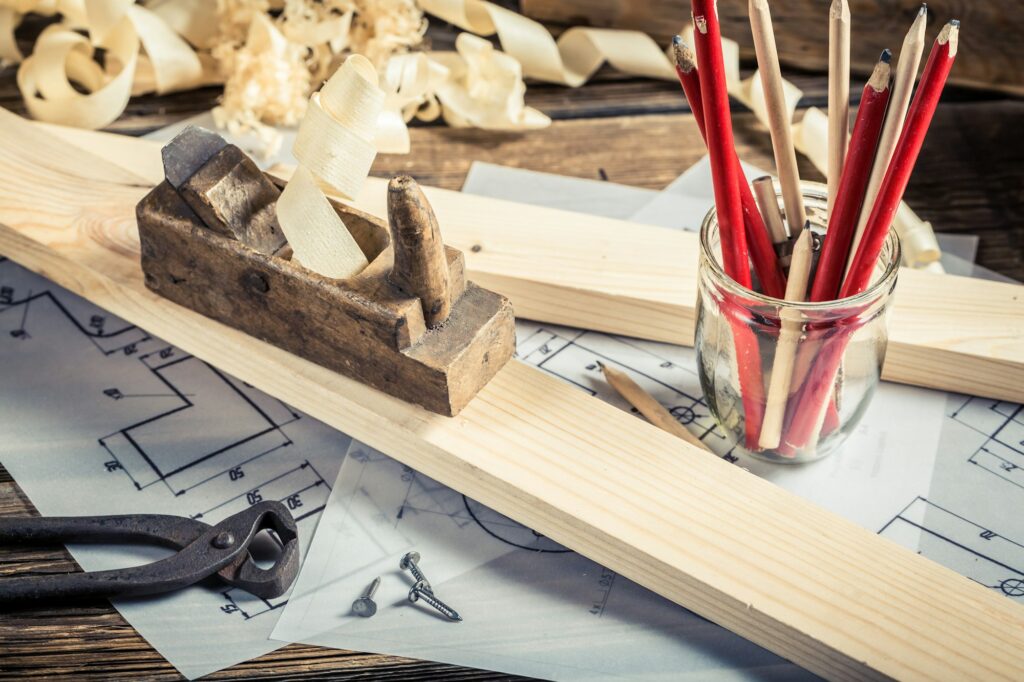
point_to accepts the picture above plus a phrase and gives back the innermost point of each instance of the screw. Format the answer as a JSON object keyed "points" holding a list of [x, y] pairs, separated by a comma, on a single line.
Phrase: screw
{"points": [[421, 591], [410, 562], [365, 606]]}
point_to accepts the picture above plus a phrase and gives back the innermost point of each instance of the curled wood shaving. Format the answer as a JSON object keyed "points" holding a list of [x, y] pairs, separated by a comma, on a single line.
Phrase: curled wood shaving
{"points": [[64, 55], [335, 147], [572, 59]]}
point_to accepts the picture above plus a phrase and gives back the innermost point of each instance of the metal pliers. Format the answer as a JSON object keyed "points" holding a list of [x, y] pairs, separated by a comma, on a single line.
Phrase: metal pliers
{"points": [[204, 550]]}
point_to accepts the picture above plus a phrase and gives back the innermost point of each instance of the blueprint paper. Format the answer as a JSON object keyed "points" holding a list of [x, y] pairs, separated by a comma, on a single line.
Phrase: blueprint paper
{"points": [[98, 417]]}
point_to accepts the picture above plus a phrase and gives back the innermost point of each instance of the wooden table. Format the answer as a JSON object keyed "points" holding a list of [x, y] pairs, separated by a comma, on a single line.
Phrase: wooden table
{"points": [[630, 131]]}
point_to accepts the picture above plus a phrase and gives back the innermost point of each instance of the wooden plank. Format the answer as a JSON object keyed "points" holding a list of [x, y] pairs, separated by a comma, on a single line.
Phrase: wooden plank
{"points": [[978, 193], [736, 549], [802, 31], [945, 332]]}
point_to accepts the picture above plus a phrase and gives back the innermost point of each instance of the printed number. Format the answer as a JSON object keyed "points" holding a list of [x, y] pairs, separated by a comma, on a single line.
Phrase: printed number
{"points": [[131, 349], [254, 497], [96, 322], [236, 473], [229, 608], [112, 465], [294, 501], [6, 294], [987, 534], [166, 353], [113, 393]]}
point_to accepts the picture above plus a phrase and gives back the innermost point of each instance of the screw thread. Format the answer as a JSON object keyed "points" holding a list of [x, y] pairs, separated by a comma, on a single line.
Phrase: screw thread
{"points": [[428, 597], [410, 562]]}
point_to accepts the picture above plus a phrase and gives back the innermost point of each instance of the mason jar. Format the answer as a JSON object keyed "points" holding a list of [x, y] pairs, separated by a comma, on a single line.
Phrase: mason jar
{"points": [[827, 357]]}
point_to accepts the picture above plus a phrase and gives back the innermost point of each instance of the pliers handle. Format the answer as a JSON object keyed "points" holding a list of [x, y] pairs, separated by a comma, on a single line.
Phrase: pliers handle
{"points": [[203, 551]]}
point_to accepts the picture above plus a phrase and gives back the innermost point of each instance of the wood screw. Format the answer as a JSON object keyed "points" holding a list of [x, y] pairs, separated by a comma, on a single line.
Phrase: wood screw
{"points": [[410, 562], [422, 592]]}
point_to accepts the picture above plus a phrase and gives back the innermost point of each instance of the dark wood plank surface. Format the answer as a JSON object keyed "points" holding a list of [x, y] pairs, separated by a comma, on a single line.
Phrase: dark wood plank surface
{"points": [[634, 131]]}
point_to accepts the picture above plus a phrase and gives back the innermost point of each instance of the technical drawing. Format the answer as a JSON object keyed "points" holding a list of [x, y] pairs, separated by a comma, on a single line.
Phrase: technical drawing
{"points": [[146, 454], [184, 428], [106, 332], [1001, 424], [510, 532], [981, 554]]}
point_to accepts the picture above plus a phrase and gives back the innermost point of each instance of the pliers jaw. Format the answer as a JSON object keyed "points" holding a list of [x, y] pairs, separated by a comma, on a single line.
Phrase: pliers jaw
{"points": [[203, 550], [271, 582]]}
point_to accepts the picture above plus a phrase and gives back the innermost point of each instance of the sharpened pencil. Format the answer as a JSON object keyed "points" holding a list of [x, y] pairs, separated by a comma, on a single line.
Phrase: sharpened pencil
{"points": [[721, 147], [894, 184], [759, 242], [902, 88], [646, 405], [842, 221]]}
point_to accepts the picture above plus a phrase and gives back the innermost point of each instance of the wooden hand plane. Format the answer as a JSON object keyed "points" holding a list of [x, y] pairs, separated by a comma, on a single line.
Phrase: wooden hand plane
{"points": [[409, 324]]}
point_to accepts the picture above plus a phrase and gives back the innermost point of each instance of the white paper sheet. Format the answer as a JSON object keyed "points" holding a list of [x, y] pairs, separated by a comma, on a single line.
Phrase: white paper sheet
{"points": [[98, 417]]}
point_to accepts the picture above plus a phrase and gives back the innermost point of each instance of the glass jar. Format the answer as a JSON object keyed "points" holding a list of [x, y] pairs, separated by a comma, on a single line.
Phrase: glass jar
{"points": [[828, 356]]}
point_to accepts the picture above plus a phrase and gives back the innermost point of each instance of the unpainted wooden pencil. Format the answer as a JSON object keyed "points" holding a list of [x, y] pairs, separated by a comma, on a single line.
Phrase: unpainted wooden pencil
{"points": [[646, 405], [838, 94], [778, 123], [899, 101]]}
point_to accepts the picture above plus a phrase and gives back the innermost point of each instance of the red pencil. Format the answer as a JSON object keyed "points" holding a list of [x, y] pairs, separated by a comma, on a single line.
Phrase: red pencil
{"points": [[762, 252], [842, 222], [940, 61], [818, 386], [707, 37]]}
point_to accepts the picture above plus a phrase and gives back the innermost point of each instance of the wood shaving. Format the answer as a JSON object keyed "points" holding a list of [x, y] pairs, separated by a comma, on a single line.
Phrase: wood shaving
{"points": [[268, 84]]}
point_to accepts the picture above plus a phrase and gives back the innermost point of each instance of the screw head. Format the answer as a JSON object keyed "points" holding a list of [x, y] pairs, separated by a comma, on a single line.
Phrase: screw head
{"points": [[223, 540], [364, 606], [408, 559]]}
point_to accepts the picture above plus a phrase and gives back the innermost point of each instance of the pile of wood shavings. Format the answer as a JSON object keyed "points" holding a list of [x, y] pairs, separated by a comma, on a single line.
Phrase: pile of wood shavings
{"points": [[271, 65]]}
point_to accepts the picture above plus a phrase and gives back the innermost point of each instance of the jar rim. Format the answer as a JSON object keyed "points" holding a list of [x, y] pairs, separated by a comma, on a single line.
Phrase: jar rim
{"points": [[809, 190]]}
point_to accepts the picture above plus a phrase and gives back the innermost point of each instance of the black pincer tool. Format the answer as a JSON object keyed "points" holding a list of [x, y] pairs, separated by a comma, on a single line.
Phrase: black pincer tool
{"points": [[203, 550]]}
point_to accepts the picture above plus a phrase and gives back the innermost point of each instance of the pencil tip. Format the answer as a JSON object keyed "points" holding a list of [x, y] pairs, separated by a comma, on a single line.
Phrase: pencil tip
{"points": [[600, 364], [924, 9], [686, 61], [886, 56], [955, 23]]}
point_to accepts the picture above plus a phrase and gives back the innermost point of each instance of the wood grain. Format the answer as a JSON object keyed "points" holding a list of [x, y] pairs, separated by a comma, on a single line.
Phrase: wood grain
{"points": [[991, 33], [800, 581]]}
